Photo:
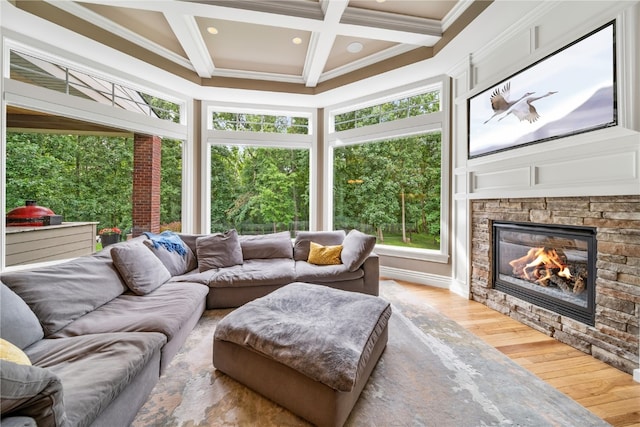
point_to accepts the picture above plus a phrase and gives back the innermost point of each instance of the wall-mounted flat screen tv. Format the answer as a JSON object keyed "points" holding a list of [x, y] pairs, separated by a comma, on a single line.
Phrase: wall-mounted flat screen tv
{"points": [[570, 91]]}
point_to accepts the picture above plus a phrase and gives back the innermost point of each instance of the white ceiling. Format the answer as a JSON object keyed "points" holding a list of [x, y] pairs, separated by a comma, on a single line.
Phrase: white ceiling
{"points": [[254, 45]]}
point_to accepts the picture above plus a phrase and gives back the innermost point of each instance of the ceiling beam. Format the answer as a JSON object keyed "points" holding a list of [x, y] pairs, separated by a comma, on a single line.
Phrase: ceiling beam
{"points": [[322, 41], [188, 34], [100, 21]]}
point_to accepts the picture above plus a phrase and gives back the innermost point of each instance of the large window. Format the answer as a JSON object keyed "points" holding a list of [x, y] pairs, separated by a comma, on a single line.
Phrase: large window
{"points": [[259, 190], [259, 170], [390, 188], [388, 163]]}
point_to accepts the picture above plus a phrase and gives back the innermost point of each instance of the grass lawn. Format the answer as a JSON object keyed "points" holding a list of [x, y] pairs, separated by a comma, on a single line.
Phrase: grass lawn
{"points": [[418, 240]]}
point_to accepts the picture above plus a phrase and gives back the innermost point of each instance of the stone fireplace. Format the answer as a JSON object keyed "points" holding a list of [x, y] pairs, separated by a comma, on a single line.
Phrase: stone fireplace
{"points": [[550, 266], [568, 267]]}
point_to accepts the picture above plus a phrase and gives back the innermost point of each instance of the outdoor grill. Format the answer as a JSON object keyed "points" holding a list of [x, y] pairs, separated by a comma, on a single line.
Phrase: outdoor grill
{"points": [[31, 215]]}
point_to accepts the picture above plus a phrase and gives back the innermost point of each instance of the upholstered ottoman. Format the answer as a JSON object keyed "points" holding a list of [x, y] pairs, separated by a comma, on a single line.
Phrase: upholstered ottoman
{"points": [[309, 348]]}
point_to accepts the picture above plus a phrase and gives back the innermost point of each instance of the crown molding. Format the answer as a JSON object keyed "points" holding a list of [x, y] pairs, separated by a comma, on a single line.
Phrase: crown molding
{"points": [[297, 8], [391, 21], [257, 75], [455, 12]]}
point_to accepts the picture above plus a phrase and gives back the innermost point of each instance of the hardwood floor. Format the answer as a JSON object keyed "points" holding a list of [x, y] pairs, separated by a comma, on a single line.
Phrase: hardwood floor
{"points": [[607, 392]]}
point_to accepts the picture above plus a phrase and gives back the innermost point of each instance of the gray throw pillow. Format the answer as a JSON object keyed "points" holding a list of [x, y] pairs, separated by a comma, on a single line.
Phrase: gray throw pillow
{"points": [[31, 391], [218, 250], [356, 247], [174, 262], [324, 238], [20, 326], [142, 271], [190, 240], [265, 246]]}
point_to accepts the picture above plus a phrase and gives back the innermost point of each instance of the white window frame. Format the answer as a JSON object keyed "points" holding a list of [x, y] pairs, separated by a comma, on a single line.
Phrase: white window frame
{"points": [[23, 95], [255, 139], [416, 125]]}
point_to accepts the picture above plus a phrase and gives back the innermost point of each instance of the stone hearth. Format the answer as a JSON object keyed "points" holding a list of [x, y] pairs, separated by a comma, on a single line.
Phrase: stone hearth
{"points": [[614, 337]]}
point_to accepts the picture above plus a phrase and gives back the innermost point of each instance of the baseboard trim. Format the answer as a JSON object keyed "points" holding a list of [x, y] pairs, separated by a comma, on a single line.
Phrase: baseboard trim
{"points": [[416, 277], [460, 288], [636, 375]]}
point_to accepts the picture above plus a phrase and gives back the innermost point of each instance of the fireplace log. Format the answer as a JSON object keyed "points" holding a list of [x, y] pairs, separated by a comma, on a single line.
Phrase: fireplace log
{"points": [[560, 282], [579, 285]]}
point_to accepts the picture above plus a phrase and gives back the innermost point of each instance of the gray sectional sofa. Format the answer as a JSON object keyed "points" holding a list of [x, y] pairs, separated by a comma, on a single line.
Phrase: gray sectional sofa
{"points": [[268, 262], [99, 330]]}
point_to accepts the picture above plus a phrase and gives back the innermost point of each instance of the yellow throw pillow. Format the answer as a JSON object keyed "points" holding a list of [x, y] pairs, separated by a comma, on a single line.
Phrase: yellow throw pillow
{"points": [[324, 255], [12, 353]]}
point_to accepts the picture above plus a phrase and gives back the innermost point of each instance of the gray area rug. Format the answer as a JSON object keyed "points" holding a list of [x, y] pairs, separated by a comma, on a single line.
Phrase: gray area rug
{"points": [[432, 373]]}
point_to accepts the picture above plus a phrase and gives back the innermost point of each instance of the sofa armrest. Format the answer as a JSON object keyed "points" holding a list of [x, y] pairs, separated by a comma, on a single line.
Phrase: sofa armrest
{"points": [[371, 267], [31, 392]]}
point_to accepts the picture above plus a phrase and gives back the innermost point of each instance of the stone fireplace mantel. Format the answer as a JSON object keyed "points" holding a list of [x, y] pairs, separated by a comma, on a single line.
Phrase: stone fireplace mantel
{"points": [[614, 338]]}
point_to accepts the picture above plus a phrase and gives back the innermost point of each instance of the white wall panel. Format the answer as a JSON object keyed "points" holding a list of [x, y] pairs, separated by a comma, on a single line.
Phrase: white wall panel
{"points": [[603, 162], [507, 178], [613, 167], [460, 248], [460, 83], [460, 184], [491, 68], [459, 127], [570, 20]]}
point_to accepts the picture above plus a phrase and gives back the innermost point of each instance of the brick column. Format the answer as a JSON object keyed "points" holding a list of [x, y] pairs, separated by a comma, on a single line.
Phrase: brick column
{"points": [[146, 183]]}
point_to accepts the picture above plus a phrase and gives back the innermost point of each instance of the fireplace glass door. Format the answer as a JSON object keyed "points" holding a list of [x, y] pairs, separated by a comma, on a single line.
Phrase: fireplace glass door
{"points": [[550, 266]]}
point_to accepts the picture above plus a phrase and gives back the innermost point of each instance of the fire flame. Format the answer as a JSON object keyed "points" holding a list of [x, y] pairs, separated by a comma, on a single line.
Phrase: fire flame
{"points": [[539, 264]]}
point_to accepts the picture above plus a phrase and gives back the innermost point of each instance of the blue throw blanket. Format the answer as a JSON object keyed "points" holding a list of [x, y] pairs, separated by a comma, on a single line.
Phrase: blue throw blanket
{"points": [[170, 240]]}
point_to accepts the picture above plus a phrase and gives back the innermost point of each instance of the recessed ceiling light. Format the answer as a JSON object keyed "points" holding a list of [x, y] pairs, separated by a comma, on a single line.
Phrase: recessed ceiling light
{"points": [[354, 47], [212, 30], [381, 1], [296, 40]]}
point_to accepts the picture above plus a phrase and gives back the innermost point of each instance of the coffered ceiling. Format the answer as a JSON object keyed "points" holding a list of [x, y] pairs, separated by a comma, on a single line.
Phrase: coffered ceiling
{"points": [[299, 46]]}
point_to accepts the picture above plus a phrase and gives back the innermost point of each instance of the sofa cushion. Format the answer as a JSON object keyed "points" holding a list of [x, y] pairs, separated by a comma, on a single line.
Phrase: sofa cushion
{"points": [[61, 293], [267, 246], [31, 391], [218, 250], [303, 239], [175, 262], [356, 248], [324, 255], [307, 272], [164, 310], [20, 325], [253, 272], [141, 270], [94, 369]]}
